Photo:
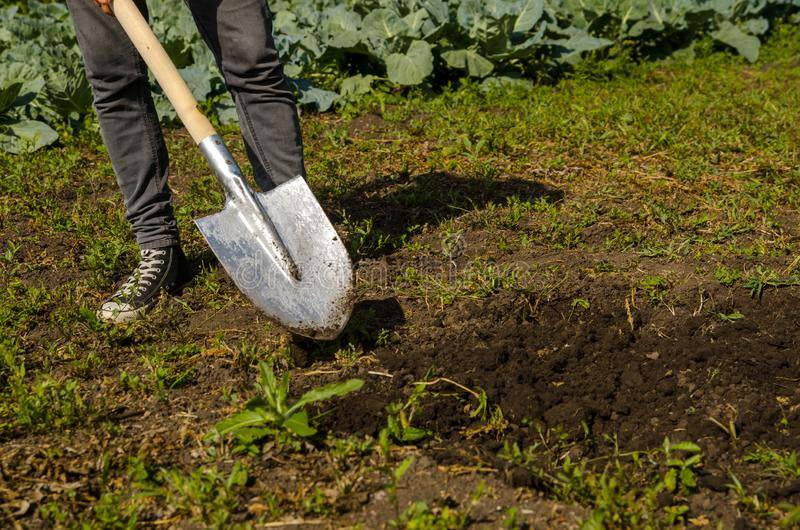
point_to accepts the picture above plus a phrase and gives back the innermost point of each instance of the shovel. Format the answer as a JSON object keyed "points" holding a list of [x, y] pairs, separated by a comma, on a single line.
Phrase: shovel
{"points": [[279, 247]]}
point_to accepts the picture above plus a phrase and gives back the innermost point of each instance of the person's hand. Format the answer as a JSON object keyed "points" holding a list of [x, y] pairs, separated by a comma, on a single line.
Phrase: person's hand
{"points": [[105, 5]]}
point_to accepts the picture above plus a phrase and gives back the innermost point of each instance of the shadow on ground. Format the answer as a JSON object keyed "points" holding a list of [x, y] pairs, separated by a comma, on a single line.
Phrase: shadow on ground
{"points": [[397, 205]]}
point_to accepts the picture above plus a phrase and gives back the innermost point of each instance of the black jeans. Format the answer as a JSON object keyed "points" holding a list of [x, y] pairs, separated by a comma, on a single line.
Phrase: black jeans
{"points": [[239, 33]]}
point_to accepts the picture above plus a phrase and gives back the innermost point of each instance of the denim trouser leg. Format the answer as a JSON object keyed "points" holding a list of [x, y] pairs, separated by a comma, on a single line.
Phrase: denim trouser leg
{"points": [[128, 122], [239, 33]]}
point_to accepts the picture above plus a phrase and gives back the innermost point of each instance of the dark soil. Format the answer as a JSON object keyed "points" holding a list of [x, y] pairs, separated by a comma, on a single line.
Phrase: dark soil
{"points": [[643, 374]]}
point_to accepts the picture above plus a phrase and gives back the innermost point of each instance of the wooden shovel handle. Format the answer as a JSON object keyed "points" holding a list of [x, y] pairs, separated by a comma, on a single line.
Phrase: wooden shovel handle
{"points": [[163, 69]]}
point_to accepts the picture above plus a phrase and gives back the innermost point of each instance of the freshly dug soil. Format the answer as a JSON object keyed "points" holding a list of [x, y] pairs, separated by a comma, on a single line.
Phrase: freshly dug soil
{"points": [[624, 366]]}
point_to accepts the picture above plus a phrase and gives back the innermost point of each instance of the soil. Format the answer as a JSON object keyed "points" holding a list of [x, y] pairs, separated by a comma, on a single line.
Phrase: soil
{"points": [[617, 365], [624, 368], [641, 373]]}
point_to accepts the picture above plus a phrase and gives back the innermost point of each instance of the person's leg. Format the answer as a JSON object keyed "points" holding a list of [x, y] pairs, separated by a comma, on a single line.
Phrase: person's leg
{"points": [[128, 122], [239, 32], [131, 133]]}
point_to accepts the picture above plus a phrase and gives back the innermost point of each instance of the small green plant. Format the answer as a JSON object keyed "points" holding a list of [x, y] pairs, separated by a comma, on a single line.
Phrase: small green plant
{"points": [[516, 210], [364, 239], [511, 520], [623, 240], [105, 257], [419, 516], [762, 278], [39, 405], [400, 416], [779, 463], [792, 518], [383, 338], [578, 304], [10, 253], [727, 277], [111, 511], [205, 495], [452, 244], [730, 317], [621, 493], [681, 473], [270, 410], [352, 446], [315, 503], [53, 514], [171, 369], [753, 503], [604, 266], [561, 234], [655, 288], [348, 355], [395, 476], [729, 429], [130, 381]]}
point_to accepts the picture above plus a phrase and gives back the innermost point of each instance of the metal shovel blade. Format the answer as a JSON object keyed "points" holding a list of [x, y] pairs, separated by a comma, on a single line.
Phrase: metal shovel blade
{"points": [[310, 296]]}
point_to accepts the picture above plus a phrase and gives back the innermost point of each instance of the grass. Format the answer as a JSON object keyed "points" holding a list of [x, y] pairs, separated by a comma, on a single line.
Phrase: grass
{"points": [[665, 172]]}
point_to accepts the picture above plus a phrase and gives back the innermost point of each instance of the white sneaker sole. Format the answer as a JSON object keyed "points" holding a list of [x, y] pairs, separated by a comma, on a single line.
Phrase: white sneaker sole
{"points": [[120, 316]]}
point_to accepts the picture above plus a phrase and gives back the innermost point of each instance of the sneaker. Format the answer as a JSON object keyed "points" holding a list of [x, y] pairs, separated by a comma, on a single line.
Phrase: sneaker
{"points": [[159, 269]]}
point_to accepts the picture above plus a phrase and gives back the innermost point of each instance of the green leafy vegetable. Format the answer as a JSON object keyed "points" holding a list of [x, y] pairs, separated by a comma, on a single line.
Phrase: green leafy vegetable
{"points": [[351, 45], [412, 67]]}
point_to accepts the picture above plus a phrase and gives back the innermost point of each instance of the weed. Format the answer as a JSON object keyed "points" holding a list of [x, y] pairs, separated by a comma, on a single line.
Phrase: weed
{"points": [[352, 446], [681, 472], [40, 405], [655, 288], [419, 516], [792, 518], [623, 240], [21, 303], [10, 253], [105, 258], [205, 495], [730, 317], [452, 244], [479, 279], [171, 369], [270, 411], [112, 512], [395, 476], [779, 463], [363, 239], [562, 234], [624, 492], [729, 429], [347, 356], [315, 503], [511, 520], [727, 277], [131, 382], [400, 416], [751, 503], [578, 304], [762, 278], [604, 266], [516, 210]]}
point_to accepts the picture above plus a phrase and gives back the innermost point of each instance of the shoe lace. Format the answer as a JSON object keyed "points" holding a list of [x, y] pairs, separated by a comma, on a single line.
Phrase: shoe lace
{"points": [[143, 275]]}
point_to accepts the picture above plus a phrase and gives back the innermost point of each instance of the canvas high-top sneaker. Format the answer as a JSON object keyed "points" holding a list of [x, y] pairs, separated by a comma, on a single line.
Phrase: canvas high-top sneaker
{"points": [[160, 269]]}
